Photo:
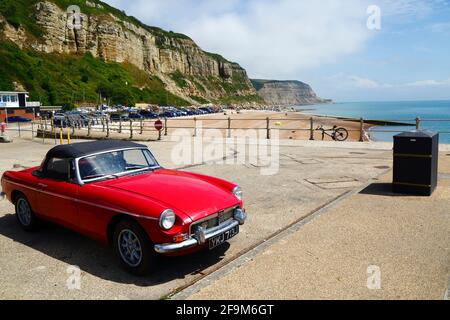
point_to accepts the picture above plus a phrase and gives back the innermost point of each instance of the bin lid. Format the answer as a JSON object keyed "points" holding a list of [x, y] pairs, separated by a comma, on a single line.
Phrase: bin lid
{"points": [[417, 134]]}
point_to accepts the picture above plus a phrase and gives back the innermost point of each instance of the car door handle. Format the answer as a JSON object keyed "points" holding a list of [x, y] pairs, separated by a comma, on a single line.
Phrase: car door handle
{"points": [[42, 185]]}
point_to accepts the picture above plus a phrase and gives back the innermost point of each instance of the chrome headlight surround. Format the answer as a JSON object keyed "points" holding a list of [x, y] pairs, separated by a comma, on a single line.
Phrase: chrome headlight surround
{"points": [[167, 219], [238, 193]]}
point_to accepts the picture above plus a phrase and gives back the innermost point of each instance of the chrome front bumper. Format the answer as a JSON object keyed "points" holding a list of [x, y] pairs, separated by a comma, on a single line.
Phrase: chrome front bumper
{"points": [[195, 241], [2, 196]]}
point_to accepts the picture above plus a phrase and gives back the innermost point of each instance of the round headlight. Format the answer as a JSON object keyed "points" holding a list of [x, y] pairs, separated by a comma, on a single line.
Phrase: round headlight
{"points": [[167, 219], [237, 191]]}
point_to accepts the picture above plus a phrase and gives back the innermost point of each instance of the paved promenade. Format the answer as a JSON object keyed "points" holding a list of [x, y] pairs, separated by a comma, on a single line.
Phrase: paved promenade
{"points": [[400, 245]]}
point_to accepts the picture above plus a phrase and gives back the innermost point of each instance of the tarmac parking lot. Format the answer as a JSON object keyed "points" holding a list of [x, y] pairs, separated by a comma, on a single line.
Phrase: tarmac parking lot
{"points": [[35, 266]]}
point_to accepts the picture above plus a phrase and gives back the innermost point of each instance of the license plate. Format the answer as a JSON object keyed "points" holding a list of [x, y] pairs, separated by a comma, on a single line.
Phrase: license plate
{"points": [[222, 238]]}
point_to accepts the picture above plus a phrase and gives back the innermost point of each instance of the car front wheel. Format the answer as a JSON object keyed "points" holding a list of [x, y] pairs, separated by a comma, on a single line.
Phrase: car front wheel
{"points": [[27, 220], [134, 249]]}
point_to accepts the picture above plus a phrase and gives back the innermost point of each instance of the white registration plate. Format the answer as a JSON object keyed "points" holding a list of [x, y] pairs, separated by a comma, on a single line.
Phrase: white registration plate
{"points": [[222, 238]]}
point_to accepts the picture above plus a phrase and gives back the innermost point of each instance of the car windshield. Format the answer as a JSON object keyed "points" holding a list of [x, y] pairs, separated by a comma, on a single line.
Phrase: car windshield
{"points": [[115, 164]]}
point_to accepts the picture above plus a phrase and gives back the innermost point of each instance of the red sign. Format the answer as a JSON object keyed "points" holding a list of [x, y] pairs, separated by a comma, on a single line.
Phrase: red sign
{"points": [[159, 125]]}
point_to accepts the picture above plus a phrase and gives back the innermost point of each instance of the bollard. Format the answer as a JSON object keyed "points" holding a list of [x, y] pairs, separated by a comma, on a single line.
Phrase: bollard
{"points": [[165, 126], [107, 128], [361, 130], [32, 130], [268, 128], [68, 137], [142, 127], [61, 136], [18, 126], [229, 127], [103, 125], [417, 123], [311, 135], [131, 129], [120, 125], [159, 135]]}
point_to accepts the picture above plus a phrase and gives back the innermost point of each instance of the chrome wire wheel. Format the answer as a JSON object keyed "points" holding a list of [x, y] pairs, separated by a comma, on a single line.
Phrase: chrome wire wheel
{"points": [[130, 248], [23, 212]]}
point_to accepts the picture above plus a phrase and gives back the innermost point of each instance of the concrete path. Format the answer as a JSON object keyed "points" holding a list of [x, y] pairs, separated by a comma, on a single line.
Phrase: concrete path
{"points": [[34, 266], [371, 245]]}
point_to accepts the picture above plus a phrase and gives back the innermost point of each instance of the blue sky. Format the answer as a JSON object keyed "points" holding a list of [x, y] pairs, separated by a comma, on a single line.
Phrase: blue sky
{"points": [[325, 43]]}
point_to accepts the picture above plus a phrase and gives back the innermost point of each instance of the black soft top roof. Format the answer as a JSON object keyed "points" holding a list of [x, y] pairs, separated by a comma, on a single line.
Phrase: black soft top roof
{"points": [[83, 149]]}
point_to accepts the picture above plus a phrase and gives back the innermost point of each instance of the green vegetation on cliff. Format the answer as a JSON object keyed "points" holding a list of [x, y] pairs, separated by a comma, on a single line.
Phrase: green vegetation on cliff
{"points": [[56, 79]]}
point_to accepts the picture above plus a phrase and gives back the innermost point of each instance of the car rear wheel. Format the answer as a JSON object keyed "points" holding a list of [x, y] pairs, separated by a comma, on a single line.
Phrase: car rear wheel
{"points": [[27, 220], [134, 249]]}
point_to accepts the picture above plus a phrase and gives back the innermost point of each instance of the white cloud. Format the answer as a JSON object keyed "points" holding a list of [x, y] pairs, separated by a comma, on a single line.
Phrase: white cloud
{"points": [[410, 10], [441, 27], [276, 39], [429, 83], [363, 83], [350, 82]]}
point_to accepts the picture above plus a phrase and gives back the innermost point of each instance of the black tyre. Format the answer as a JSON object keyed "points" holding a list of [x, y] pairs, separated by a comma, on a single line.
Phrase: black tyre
{"points": [[25, 215], [341, 134], [134, 249]]}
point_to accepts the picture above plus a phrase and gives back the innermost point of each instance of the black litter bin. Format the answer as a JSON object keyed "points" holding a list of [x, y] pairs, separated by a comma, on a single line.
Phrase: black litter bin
{"points": [[416, 156]]}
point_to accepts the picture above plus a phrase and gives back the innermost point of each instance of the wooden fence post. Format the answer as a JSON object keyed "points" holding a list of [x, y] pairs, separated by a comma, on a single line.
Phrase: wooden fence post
{"points": [[268, 128], [131, 129], [142, 127], [120, 125], [229, 127], [361, 130], [107, 128], [195, 126], [89, 128], [311, 130], [165, 126]]}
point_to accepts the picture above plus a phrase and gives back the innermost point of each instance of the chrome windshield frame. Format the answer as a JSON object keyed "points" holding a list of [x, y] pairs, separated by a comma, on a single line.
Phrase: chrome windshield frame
{"points": [[82, 182]]}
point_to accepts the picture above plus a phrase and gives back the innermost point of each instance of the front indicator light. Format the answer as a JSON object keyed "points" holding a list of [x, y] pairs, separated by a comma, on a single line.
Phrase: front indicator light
{"points": [[180, 238]]}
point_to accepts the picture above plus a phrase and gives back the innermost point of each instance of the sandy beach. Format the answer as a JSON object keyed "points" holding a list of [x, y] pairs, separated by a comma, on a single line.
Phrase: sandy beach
{"points": [[291, 125]]}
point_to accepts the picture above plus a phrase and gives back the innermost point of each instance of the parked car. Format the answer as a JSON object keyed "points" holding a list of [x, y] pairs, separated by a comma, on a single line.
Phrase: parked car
{"points": [[167, 114], [135, 116], [60, 120], [117, 193], [148, 114], [207, 110], [188, 112], [119, 117], [16, 119]]}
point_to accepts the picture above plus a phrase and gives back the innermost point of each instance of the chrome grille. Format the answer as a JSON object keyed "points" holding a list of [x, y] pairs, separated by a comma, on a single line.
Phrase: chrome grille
{"points": [[214, 220]]}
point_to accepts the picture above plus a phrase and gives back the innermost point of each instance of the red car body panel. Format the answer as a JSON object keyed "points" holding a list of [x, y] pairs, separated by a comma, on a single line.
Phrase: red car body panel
{"points": [[89, 209]]}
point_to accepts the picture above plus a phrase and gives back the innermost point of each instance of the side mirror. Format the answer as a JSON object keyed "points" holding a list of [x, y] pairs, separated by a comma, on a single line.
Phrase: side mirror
{"points": [[37, 173]]}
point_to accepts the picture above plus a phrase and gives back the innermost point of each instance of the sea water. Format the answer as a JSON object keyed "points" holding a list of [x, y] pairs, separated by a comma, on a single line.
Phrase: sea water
{"points": [[397, 111]]}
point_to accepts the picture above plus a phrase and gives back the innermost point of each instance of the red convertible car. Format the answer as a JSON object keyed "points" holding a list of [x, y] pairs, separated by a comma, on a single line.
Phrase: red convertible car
{"points": [[117, 193]]}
